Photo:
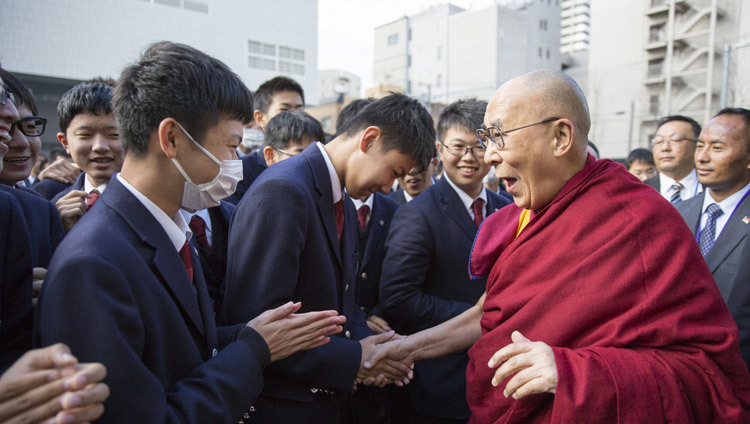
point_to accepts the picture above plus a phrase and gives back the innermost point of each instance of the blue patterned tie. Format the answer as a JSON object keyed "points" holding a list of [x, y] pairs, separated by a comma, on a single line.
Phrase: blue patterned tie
{"points": [[708, 235], [676, 188]]}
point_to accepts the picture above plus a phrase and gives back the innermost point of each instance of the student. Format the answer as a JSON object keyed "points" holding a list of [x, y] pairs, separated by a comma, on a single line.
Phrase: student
{"points": [[294, 236], [640, 163], [126, 289], [288, 134], [89, 134]]}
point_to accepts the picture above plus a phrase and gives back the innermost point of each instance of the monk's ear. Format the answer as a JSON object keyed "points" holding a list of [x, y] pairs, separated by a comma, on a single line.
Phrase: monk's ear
{"points": [[564, 137]]}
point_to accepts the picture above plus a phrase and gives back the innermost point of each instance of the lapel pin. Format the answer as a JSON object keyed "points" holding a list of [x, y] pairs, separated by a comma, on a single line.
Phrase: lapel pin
{"points": [[746, 220]]}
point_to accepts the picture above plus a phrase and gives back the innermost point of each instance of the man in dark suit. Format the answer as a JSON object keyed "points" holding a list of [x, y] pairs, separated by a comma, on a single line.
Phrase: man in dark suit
{"points": [[720, 216], [425, 280], [125, 288], [294, 236], [674, 148]]}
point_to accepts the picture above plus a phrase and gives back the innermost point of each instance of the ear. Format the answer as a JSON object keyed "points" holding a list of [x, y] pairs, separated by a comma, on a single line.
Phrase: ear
{"points": [[260, 119], [166, 133], [64, 141], [269, 155], [439, 147], [564, 137], [369, 137]]}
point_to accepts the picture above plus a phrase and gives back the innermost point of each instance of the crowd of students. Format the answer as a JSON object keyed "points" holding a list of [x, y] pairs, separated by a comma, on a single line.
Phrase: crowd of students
{"points": [[211, 255]]}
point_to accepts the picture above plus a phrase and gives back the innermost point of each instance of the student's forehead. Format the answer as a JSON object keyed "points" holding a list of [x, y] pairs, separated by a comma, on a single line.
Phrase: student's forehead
{"points": [[92, 119]]}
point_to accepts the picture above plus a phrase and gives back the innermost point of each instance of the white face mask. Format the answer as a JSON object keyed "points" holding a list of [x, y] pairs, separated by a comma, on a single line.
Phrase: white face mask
{"points": [[252, 138], [208, 195]]}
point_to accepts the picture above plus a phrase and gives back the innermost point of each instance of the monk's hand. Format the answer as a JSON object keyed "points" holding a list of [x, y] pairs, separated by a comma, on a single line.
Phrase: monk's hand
{"points": [[382, 369], [533, 364]]}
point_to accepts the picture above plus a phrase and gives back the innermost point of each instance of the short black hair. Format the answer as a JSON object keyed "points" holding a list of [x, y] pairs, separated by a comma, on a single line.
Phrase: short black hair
{"points": [[56, 152], [467, 114], [349, 112], [291, 127], [742, 113], [693, 123], [86, 97], [17, 87], [405, 126], [264, 95], [177, 81], [639, 155]]}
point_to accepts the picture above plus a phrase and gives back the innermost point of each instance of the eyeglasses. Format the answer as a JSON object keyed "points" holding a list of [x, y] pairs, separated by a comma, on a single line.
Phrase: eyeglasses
{"points": [[460, 150], [285, 152], [673, 141], [493, 134], [5, 94], [32, 126]]}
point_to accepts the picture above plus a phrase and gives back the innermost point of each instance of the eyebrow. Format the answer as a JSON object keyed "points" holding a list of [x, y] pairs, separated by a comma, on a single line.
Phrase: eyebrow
{"points": [[292, 104], [90, 128]]}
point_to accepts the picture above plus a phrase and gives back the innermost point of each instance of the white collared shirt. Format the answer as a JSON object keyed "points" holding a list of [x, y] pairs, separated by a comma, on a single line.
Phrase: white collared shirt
{"points": [[690, 186], [203, 213], [358, 204], [88, 187], [466, 199], [408, 197], [727, 206], [335, 183], [176, 228]]}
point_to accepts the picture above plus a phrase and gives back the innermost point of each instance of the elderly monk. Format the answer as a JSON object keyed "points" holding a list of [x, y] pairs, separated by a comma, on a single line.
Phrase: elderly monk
{"points": [[599, 271]]}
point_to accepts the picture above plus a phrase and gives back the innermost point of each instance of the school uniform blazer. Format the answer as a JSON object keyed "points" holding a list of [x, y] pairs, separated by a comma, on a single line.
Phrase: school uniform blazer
{"points": [[49, 188], [398, 196], [425, 282], [78, 185], [283, 246], [729, 262], [43, 223], [214, 261], [372, 253], [15, 282], [654, 182], [252, 165], [117, 292]]}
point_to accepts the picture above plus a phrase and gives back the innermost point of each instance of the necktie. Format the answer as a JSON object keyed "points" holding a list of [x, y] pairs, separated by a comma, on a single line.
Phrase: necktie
{"points": [[198, 227], [362, 216], [187, 259], [94, 197], [339, 208], [675, 189], [477, 206], [708, 235]]}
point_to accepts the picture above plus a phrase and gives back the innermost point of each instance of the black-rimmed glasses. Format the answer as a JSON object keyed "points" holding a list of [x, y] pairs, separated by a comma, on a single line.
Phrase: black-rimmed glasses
{"points": [[460, 150], [31, 126], [5, 94], [493, 134]]}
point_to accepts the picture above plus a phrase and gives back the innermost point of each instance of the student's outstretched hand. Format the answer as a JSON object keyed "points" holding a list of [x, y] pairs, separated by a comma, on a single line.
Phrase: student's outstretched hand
{"points": [[49, 385], [61, 170], [286, 332]]}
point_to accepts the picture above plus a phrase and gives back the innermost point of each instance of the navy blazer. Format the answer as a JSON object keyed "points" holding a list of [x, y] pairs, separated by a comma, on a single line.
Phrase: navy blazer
{"points": [[43, 222], [15, 282], [398, 196], [78, 185], [729, 262], [49, 188], [214, 261], [283, 246], [425, 282], [252, 165], [372, 253], [117, 292]]}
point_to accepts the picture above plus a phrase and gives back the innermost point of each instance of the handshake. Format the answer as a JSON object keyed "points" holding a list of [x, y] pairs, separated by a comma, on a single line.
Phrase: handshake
{"points": [[386, 357]]}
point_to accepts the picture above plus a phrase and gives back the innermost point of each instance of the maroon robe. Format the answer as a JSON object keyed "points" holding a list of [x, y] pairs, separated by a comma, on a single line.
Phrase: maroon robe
{"points": [[609, 276]]}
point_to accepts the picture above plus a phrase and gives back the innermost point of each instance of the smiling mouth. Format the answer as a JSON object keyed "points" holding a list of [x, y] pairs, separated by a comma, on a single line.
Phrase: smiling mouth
{"points": [[412, 181], [102, 160], [16, 160]]}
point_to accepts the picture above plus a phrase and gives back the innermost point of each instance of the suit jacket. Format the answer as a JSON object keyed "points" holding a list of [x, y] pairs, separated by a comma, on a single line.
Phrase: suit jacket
{"points": [[15, 282], [729, 262], [252, 165], [398, 196], [80, 184], [654, 182], [372, 253], [43, 223], [124, 299], [214, 261], [283, 246], [49, 188], [425, 282]]}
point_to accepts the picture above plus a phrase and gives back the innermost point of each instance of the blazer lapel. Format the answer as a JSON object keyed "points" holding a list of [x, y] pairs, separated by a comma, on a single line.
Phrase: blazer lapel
{"points": [[732, 235], [325, 201], [375, 231], [693, 214], [454, 208]]}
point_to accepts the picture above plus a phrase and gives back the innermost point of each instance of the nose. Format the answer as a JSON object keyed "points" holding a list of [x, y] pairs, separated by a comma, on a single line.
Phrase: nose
{"points": [[700, 155], [492, 155], [100, 146]]}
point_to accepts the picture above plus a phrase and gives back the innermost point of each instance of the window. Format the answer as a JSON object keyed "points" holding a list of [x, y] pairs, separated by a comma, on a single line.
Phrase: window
{"points": [[393, 39], [285, 67], [654, 104], [540, 49], [439, 78], [440, 53], [195, 6], [253, 47], [285, 52], [299, 54], [547, 54], [408, 61], [269, 65], [298, 69], [269, 49]]}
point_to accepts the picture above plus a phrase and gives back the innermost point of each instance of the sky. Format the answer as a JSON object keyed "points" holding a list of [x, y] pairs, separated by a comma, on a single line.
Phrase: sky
{"points": [[346, 30]]}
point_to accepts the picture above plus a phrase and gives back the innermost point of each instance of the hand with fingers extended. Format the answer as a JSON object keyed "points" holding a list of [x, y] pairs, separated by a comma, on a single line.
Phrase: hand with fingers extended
{"points": [[48, 385], [71, 208], [533, 364], [385, 370], [61, 170], [286, 332]]}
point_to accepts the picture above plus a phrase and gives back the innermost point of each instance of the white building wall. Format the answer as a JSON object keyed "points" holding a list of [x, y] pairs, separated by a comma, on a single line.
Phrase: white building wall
{"points": [[391, 54], [330, 78], [80, 39]]}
